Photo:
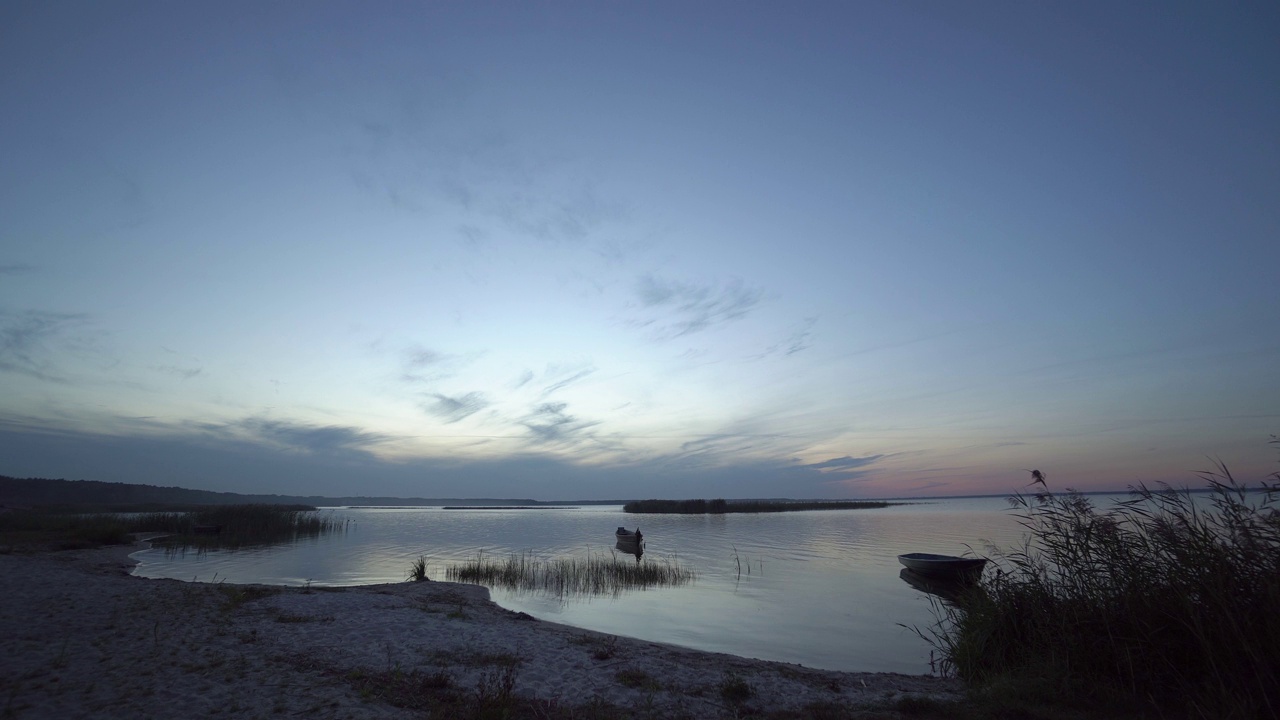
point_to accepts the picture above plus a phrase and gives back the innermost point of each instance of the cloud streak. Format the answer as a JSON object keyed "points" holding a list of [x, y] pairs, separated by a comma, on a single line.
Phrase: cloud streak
{"points": [[845, 463], [677, 308], [550, 424], [304, 437], [25, 339], [563, 382], [451, 409]]}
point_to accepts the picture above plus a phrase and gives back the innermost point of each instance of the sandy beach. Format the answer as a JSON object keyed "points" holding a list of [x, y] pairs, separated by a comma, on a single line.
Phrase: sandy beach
{"points": [[82, 638]]}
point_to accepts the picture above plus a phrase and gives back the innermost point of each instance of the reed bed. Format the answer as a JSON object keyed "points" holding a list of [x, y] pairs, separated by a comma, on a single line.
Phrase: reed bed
{"points": [[1166, 603], [595, 574], [60, 531], [720, 506], [235, 526]]}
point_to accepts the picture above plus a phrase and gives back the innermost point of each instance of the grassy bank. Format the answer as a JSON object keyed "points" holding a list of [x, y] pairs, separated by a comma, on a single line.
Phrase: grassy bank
{"points": [[1165, 604], [720, 507], [592, 575]]}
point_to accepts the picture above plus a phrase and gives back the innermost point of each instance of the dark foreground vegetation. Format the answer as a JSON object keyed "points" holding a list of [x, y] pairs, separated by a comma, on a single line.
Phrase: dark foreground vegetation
{"points": [[209, 527], [1166, 606], [720, 507]]}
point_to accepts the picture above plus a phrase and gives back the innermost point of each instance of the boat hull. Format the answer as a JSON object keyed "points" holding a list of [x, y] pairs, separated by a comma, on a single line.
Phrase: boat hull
{"points": [[944, 567]]}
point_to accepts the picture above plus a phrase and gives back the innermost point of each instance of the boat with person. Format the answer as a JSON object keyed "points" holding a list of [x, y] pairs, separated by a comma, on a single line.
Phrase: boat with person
{"points": [[943, 567], [624, 535]]}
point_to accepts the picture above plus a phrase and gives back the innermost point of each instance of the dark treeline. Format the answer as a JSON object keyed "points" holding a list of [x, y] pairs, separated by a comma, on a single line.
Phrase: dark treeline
{"points": [[721, 506], [97, 496]]}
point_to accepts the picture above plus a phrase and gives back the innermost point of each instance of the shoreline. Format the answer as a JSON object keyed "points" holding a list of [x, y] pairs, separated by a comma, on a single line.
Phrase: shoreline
{"points": [[80, 636]]}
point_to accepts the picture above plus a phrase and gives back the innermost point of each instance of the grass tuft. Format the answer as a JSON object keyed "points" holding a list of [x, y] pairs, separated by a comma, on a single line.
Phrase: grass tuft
{"points": [[637, 679], [735, 690], [418, 570]]}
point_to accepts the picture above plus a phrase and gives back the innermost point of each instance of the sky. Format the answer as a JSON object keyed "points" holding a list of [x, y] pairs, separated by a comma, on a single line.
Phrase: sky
{"points": [[596, 250]]}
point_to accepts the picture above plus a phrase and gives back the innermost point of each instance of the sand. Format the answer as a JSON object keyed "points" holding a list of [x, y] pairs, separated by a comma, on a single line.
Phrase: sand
{"points": [[82, 638]]}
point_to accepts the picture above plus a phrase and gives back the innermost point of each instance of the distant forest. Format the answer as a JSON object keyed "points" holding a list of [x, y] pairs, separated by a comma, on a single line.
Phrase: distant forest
{"points": [[93, 495], [720, 506]]}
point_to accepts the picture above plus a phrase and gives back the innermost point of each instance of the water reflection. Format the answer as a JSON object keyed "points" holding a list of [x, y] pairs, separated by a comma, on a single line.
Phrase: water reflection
{"points": [[630, 548], [832, 596], [948, 591]]}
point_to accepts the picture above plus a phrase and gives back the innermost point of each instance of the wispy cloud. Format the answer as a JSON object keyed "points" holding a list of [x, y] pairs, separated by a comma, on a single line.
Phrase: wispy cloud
{"points": [[722, 448], [549, 423], [554, 217], [455, 408], [322, 439], [185, 366], [186, 373], [675, 308], [525, 378], [419, 357], [845, 463], [25, 339], [16, 269], [801, 337], [421, 365], [414, 142], [560, 378]]}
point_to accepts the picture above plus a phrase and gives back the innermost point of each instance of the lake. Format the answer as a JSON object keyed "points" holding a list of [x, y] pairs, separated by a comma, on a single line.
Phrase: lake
{"points": [[818, 588]]}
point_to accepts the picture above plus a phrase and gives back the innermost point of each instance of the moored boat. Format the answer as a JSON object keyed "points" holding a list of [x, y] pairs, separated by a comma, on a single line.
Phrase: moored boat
{"points": [[945, 567], [626, 536]]}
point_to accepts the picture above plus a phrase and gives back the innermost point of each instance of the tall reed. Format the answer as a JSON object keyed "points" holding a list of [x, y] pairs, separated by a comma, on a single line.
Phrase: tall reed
{"points": [[1165, 601], [237, 526], [61, 530], [561, 577]]}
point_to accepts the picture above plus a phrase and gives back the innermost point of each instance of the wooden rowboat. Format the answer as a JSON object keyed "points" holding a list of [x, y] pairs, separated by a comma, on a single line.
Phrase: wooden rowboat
{"points": [[945, 567], [626, 535]]}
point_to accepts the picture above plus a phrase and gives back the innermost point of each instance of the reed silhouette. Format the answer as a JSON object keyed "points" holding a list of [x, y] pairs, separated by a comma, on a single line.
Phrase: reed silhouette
{"points": [[1167, 601]]}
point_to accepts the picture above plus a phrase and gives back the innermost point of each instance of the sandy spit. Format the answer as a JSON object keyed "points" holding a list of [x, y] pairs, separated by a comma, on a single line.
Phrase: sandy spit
{"points": [[82, 638]]}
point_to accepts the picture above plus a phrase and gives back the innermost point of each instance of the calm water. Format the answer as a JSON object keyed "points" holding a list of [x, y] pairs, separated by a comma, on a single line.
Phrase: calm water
{"points": [[822, 588]]}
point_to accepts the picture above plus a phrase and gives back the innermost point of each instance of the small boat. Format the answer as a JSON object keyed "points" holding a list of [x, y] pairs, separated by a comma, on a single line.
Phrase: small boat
{"points": [[945, 567], [626, 536]]}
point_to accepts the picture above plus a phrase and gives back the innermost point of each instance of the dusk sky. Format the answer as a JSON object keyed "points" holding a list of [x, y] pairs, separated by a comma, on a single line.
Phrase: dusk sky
{"points": [[564, 250]]}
